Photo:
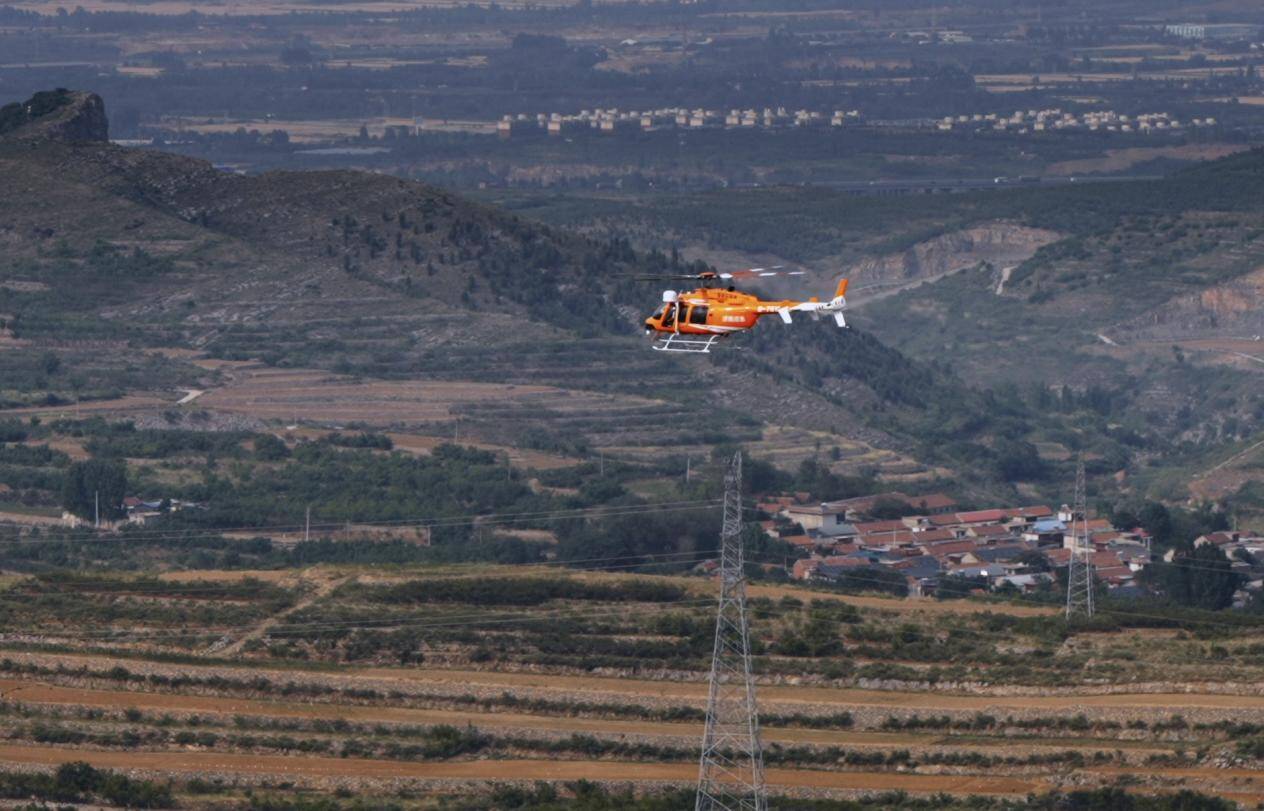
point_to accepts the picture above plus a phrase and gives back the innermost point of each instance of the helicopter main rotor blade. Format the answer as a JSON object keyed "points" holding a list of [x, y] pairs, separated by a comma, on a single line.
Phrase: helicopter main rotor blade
{"points": [[751, 273]]}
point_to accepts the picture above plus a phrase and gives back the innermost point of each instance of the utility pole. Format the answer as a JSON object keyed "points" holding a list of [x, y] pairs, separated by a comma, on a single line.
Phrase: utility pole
{"points": [[688, 467], [1080, 567], [307, 524], [731, 771], [96, 509]]}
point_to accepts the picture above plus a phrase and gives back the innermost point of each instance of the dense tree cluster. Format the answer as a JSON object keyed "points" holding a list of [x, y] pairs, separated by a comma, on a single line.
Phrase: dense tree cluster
{"points": [[1198, 576], [95, 488]]}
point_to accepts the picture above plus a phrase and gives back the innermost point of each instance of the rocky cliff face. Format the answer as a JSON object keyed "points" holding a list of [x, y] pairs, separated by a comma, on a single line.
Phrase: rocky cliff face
{"points": [[1232, 309], [57, 115], [998, 244]]}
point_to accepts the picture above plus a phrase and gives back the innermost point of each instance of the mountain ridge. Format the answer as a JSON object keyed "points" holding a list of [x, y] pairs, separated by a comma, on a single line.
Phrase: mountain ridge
{"points": [[382, 277]]}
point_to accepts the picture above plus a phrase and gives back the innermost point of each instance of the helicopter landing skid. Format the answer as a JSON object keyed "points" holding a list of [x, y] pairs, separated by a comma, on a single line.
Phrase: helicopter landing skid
{"points": [[676, 342]]}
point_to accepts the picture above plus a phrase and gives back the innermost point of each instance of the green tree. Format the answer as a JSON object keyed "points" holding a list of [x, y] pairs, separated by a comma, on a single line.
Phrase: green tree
{"points": [[1019, 461], [889, 508], [95, 481], [1198, 576], [1157, 521], [270, 448]]}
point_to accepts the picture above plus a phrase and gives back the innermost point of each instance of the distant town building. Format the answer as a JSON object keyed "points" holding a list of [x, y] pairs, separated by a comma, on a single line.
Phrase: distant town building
{"points": [[1020, 122], [1222, 31]]}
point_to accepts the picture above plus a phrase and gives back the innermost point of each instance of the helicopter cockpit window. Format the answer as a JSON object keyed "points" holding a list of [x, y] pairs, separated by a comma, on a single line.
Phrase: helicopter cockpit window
{"points": [[698, 315], [659, 312], [669, 317]]}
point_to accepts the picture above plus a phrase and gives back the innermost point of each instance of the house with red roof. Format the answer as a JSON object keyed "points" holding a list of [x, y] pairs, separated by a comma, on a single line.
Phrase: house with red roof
{"points": [[872, 527], [934, 504], [1115, 576], [949, 551], [1034, 513], [1220, 539], [989, 533], [981, 517], [1058, 557], [800, 541]]}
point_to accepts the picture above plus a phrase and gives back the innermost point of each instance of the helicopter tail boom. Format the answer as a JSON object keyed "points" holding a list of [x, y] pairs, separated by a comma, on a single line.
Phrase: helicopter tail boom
{"points": [[834, 307]]}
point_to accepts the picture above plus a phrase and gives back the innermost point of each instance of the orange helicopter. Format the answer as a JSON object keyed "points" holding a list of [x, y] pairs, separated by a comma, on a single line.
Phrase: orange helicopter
{"points": [[694, 321]]}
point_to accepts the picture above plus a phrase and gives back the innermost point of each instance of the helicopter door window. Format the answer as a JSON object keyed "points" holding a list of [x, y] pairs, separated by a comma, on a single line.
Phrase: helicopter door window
{"points": [[698, 315], [669, 317]]}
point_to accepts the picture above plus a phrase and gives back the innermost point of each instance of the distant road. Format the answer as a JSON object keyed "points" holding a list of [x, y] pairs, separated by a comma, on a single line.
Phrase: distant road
{"points": [[960, 184]]}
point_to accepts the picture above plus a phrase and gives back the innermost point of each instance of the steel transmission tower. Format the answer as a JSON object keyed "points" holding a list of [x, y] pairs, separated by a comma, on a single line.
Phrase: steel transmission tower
{"points": [[731, 773], [1080, 567]]}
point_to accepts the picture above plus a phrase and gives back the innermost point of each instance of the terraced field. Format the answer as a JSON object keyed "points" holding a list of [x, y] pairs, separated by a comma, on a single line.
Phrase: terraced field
{"points": [[520, 674]]}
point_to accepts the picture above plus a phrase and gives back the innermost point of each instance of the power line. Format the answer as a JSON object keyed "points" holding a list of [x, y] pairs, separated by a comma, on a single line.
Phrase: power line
{"points": [[492, 519], [428, 521]]}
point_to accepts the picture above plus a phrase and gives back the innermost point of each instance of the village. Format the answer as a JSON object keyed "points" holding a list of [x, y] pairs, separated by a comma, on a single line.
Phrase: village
{"points": [[1004, 549], [613, 121]]}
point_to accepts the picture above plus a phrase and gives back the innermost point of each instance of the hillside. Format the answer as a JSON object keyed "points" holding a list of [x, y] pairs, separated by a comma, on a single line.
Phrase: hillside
{"points": [[121, 261], [1141, 296]]}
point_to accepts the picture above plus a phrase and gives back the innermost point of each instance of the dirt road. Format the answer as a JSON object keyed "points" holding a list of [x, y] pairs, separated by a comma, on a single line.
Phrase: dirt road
{"points": [[323, 589]]}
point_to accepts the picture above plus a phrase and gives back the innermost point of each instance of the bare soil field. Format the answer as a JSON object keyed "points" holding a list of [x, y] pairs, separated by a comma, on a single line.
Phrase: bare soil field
{"points": [[786, 447], [424, 445], [1230, 475], [313, 395], [232, 575], [121, 405], [31, 519], [830, 696], [71, 447], [501, 770], [453, 681], [520, 457], [698, 586], [914, 605], [707, 587], [35, 692]]}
